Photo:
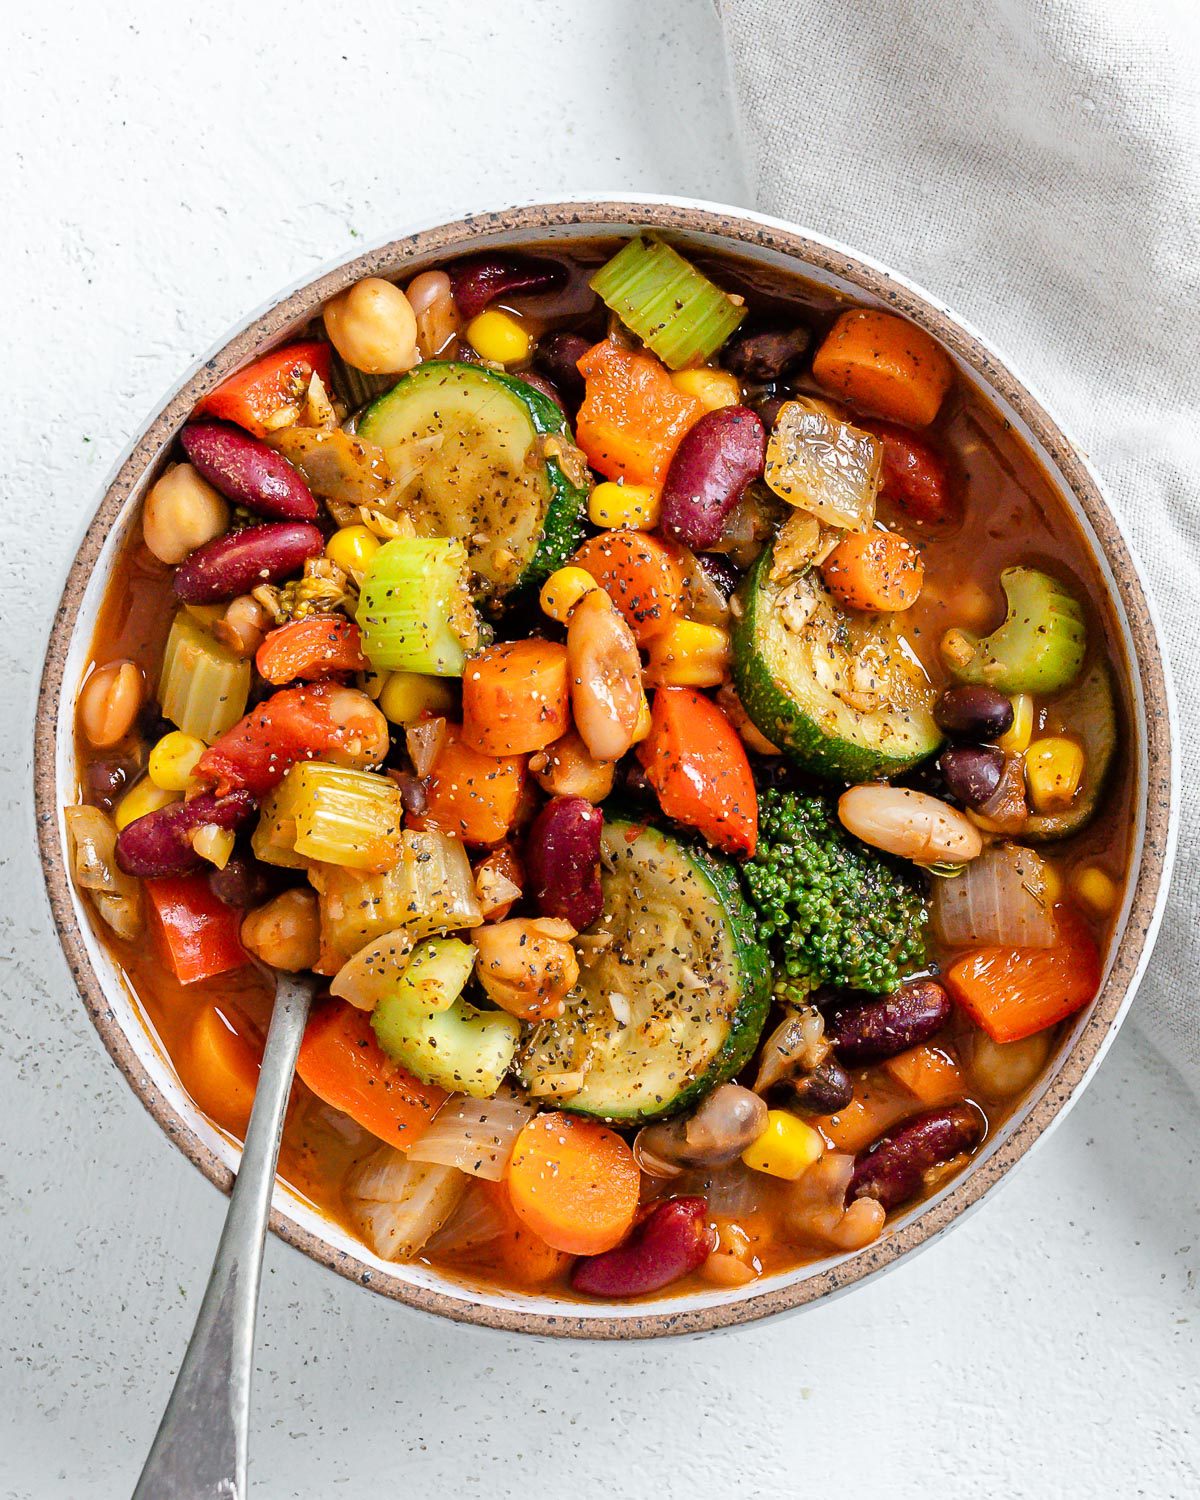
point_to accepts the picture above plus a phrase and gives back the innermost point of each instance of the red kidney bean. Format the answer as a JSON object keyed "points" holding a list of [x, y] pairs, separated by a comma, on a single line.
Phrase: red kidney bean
{"points": [[973, 713], [893, 1169], [673, 1239], [248, 472], [714, 463], [972, 773], [159, 843], [244, 881], [562, 861], [870, 1030], [239, 561], [558, 356], [480, 279], [766, 356], [915, 477], [822, 1092]]}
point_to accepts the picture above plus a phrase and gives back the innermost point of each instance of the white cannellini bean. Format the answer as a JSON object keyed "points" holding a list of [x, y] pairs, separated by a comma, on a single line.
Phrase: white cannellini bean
{"points": [[910, 824]]}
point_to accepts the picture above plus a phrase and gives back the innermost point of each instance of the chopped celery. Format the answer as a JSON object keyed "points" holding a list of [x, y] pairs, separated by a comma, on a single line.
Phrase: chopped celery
{"points": [[204, 686], [429, 889], [415, 609], [672, 307], [274, 837], [335, 815], [447, 1041], [434, 977], [1039, 648]]}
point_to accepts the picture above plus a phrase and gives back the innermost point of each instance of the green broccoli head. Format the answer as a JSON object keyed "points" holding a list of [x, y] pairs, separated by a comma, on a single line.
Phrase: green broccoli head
{"points": [[833, 910]]}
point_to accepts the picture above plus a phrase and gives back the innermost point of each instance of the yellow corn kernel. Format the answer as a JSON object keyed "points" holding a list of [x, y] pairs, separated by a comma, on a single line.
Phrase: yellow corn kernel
{"points": [[173, 760], [1016, 738], [1098, 891], [214, 844], [643, 723], [627, 507], [1052, 883], [563, 590], [407, 695], [142, 797], [1053, 771], [498, 338], [786, 1148], [689, 655], [712, 388], [352, 548]]}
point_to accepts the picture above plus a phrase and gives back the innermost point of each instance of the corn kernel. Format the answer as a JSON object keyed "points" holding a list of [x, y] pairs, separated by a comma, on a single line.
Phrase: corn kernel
{"points": [[690, 655], [407, 695], [1053, 771], [352, 548], [1097, 889], [628, 507], [498, 337], [786, 1148], [563, 590], [142, 797], [644, 722], [214, 844], [712, 388], [1052, 883], [1016, 738], [173, 760]]}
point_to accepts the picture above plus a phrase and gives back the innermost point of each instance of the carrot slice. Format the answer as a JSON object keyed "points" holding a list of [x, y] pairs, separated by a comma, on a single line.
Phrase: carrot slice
{"points": [[640, 575], [473, 796], [312, 648], [865, 1118], [257, 395], [695, 761], [197, 934], [1013, 992], [525, 1257], [874, 570], [225, 1055], [928, 1073], [633, 417], [515, 697], [342, 1062], [885, 365], [574, 1183]]}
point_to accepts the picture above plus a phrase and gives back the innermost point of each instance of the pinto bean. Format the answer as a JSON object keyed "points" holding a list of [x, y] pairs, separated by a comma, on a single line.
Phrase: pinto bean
{"points": [[671, 1241], [767, 355], [159, 843], [892, 1170], [717, 459], [870, 1030], [239, 561], [248, 472], [480, 279], [562, 861]]}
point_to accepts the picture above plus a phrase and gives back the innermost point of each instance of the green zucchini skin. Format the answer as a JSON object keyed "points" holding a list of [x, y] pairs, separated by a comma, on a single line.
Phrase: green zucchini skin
{"points": [[635, 1082], [771, 693], [1089, 711]]}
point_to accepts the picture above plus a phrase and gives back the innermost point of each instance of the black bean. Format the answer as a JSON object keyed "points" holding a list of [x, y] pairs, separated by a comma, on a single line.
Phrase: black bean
{"points": [[767, 355], [105, 780], [972, 773], [557, 358], [720, 571], [244, 882], [973, 713]]}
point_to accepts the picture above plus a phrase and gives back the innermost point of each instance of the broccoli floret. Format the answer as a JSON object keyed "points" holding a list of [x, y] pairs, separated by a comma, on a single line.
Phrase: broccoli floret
{"points": [[832, 909]]}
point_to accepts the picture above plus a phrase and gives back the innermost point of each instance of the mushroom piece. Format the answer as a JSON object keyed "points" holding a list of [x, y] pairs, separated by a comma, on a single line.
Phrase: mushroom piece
{"points": [[728, 1121], [797, 1045]]}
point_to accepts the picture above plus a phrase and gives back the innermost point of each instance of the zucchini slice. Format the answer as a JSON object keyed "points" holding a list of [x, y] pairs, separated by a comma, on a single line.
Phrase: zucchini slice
{"points": [[674, 1004], [840, 693], [1089, 713], [477, 456]]}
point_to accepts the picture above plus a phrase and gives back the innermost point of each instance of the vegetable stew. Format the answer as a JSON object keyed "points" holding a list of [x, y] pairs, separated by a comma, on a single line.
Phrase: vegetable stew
{"points": [[675, 715]]}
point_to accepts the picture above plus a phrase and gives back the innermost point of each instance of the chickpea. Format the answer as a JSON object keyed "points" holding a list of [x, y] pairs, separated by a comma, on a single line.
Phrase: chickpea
{"points": [[181, 513], [243, 625], [1001, 1070], [109, 702], [365, 738], [527, 965], [286, 932], [432, 301], [373, 327], [567, 768], [605, 673]]}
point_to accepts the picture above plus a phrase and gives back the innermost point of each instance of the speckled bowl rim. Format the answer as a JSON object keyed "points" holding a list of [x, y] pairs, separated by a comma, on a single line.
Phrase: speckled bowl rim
{"points": [[738, 229]]}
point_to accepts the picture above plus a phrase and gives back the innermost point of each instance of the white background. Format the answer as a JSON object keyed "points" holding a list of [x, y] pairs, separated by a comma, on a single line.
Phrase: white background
{"points": [[163, 171]]}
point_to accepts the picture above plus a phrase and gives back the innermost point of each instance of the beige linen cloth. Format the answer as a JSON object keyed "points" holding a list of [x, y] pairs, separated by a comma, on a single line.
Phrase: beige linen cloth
{"points": [[1035, 163]]}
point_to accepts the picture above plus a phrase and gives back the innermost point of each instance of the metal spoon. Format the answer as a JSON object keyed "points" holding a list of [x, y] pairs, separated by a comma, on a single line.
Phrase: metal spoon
{"points": [[199, 1450]]}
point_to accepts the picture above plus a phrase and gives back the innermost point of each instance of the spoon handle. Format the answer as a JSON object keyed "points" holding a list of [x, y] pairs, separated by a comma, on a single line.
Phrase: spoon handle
{"points": [[199, 1450]]}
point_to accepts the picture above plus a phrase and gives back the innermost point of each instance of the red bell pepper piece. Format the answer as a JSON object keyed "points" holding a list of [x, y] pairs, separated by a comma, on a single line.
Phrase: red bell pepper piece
{"points": [[279, 379], [260, 749], [196, 931], [915, 477], [696, 762], [312, 648]]}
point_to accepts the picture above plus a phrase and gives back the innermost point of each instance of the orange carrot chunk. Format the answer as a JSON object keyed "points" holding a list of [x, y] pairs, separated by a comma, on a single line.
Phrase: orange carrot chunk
{"points": [[224, 1054], [574, 1183], [526, 1258], [473, 796], [640, 575], [874, 570], [928, 1073], [515, 697], [633, 417], [885, 365], [307, 649], [342, 1062], [695, 761]]}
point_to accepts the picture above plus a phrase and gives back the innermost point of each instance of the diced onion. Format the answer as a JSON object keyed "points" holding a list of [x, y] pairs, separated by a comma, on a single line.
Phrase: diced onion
{"points": [[732, 1191], [824, 466], [477, 1221], [399, 1205], [115, 895], [475, 1135], [425, 741], [1001, 898]]}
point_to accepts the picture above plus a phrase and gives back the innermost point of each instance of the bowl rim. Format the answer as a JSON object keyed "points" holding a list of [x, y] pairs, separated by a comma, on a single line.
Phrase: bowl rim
{"points": [[736, 228]]}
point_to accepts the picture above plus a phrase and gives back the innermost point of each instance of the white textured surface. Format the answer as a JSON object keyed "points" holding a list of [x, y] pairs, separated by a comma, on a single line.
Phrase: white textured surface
{"points": [[160, 176]]}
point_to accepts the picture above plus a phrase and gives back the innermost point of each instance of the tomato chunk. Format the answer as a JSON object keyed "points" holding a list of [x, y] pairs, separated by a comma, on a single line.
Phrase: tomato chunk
{"points": [[695, 761]]}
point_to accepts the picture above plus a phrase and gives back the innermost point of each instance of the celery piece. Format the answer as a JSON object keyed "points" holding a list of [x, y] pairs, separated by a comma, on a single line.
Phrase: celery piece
{"points": [[335, 815], [204, 686], [414, 610], [435, 974], [460, 1047], [672, 307], [274, 837], [1039, 648]]}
